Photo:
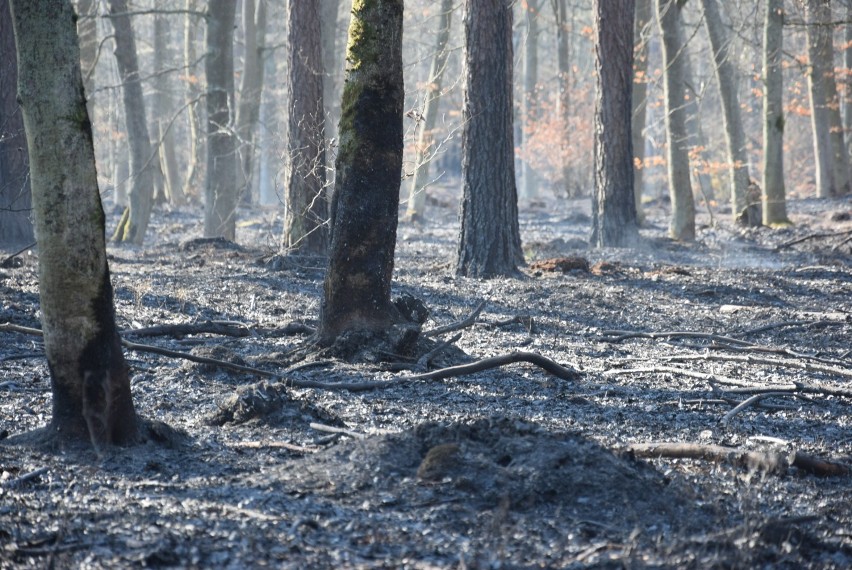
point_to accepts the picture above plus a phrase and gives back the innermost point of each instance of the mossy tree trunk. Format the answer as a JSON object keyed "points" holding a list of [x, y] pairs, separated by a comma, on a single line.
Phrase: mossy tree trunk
{"points": [[16, 228], [425, 145], [89, 379], [220, 192], [490, 240], [134, 222], [306, 219], [682, 223], [369, 165], [613, 210], [774, 199]]}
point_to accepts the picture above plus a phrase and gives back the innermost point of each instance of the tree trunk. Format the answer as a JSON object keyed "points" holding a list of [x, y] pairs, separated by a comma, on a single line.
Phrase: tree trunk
{"points": [[641, 37], [682, 224], [364, 205], [819, 40], [220, 202], [847, 63], [251, 88], [333, 52], [774, 201], [134, 222], [735, 136], [613, 210], [87, 31], [192, 100], [306, 217], [163, 110], [529, 111], [89, 379], [426, 135], [563, 67], [16, 228], [490, 240]]}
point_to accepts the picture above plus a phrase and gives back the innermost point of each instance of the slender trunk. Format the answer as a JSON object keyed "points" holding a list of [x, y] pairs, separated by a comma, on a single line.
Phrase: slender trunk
{"points": [[563, 66], [134, 223], [333, 53], [613, 210], [220, 202], [529, 178], [251, 87], [641, 37], [89, 379], [192, 101], [774, 202], [682, 224], [364, 219], [847, 63], [817, 11], [305, 223], [734, 134], [87, 31], [164, 108], [490, 240], [840, 157], [426, 135]]}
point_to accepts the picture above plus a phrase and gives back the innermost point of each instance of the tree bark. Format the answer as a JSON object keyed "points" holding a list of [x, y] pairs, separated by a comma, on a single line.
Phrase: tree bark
{"points": [[529, 109], [682, 224], [251, 89], [774, 201], [306, 216], [641, 37], [16, 228], [490, 241], [333, 53], [613, 209], [369, 165], [89, 379], [563, 67], [192, 101], [163, 109], [87, 31], [426, 135], [134, 222], [734, 134], [819, 42], [220, 202]]}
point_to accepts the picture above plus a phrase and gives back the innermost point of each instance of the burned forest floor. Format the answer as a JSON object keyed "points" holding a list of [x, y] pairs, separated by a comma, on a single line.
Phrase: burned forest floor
{"points": [[510, 467]]}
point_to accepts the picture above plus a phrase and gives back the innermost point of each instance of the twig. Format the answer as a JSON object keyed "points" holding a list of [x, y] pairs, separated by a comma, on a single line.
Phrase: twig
{"points": [[753, 400], [18, 481], [683, 372], [274, 445], [543, 362], [8, 260], [212, 327], [792, 242], [767, 461], [332, 429], [773, 350], [423, 361], [464, 323], [618, 336], [807, 367]]}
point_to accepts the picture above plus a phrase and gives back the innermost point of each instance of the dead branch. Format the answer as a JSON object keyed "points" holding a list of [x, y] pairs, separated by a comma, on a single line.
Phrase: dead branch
{"points": [[181, 329], [543, 362], [618, 336], [754, 400], [683, 372], [778, 351], [18, 481], [333, 429], [462, 324], [423, 361], [7, 262], [273, 445], [769, 461], [748, 359], [790, 324], [792, 242]]}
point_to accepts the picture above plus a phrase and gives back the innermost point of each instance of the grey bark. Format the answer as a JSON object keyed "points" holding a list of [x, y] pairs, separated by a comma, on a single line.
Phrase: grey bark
{"points": [[306, 216], [682, 224], [613, 208], [87, 30], [847, 62], [356, 291], [641, 38], [425, 145], [529, 111], [134, 222], [563, 67], [333, 55], [490, 242], [734, 134], [89, 379], [193, 91], [163, 109], [220, 196], [251, 88], [16, 228], [774, 201]]}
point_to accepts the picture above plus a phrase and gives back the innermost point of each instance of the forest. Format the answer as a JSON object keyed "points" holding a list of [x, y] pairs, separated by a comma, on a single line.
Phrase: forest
{"points": [[425, 284]]}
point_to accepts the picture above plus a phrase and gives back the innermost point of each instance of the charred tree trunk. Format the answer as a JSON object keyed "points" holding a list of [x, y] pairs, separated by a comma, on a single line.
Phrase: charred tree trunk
{"points": [[16, 228], [89, 379], [774, 200], [220, 196], [306, 217], [682, 224], [490, 240], [369, 164], [613, 210]]}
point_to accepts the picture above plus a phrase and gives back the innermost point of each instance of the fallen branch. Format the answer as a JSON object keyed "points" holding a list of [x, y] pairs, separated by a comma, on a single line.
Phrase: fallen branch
{"points": [[754, 400], [543, 362], [273, 445], [683, 372], [792, 242], [423, 361], [618, 336], [464, 323], [333, 429], [7, 262], [769, 461], [805, 366], [210, 327], [18, 481]]}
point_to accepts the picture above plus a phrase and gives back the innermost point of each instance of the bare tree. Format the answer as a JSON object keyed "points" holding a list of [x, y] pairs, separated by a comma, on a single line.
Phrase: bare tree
{"points": [[563, 67], [306, 216], [490, 240], [774, 202], [192, 99], [529, 104], [251, 88], [163, 110], [641, 38], [682, 224], [89, 379], [220, 195]]}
